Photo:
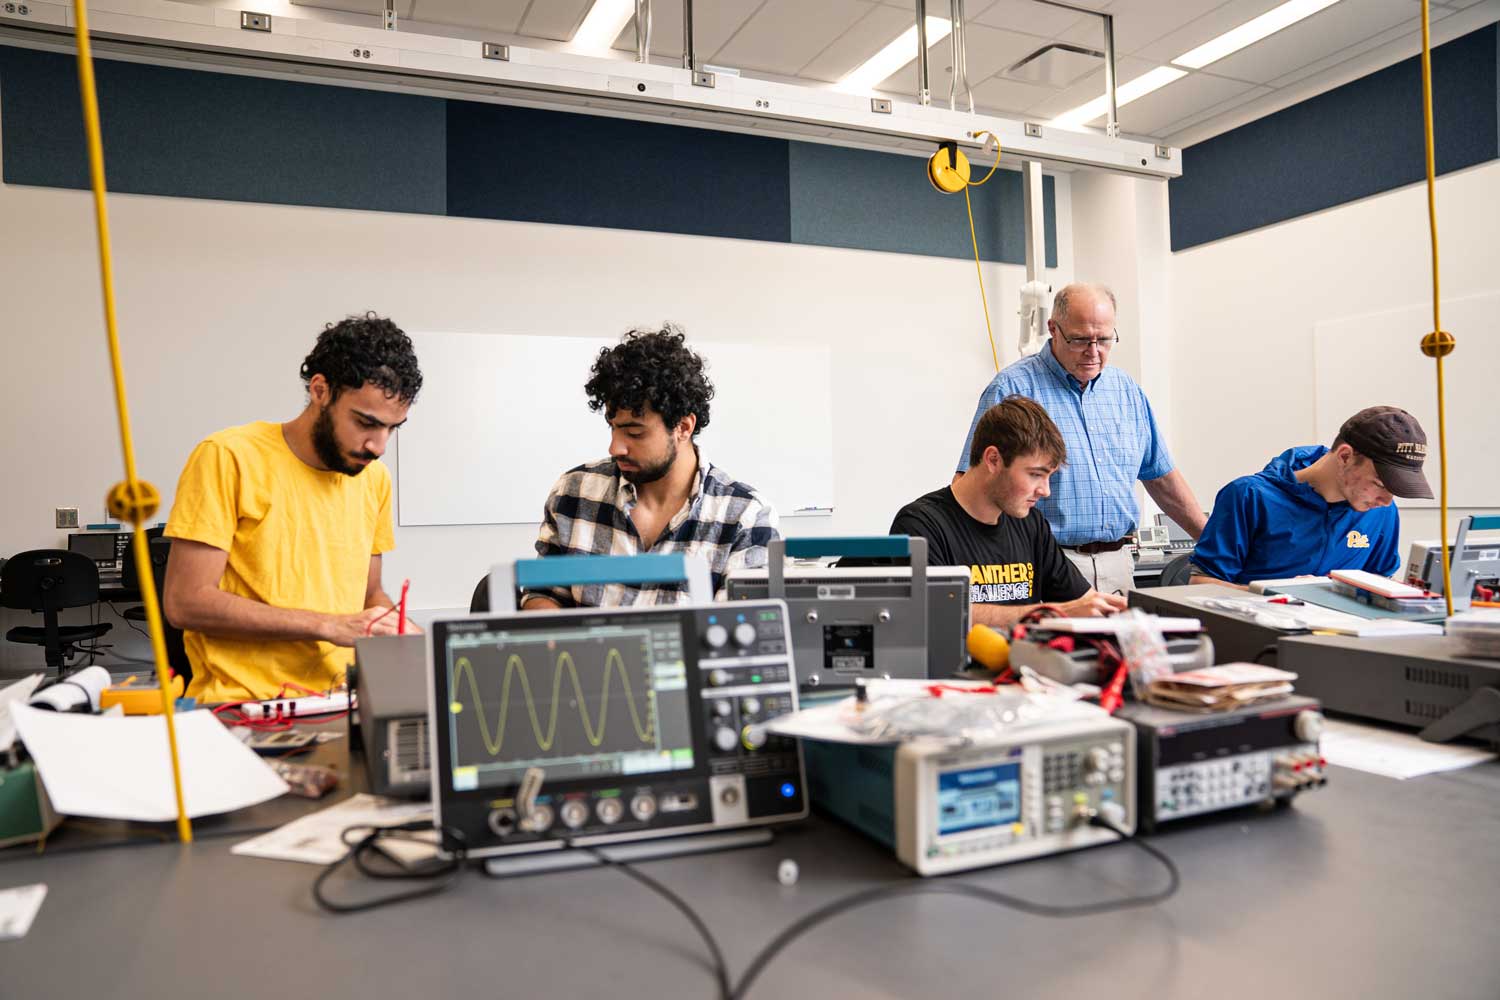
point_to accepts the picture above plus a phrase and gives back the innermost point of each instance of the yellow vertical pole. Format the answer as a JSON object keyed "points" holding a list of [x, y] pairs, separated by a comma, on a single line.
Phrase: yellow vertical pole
{"points": [[133, 501]]}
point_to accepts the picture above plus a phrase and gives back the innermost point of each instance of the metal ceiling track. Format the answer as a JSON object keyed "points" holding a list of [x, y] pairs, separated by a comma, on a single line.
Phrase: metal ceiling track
{"points": [[162, 32]]}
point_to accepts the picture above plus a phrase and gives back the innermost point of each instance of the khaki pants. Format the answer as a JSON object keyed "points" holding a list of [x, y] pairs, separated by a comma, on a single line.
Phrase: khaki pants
{"points": [[1107, 572]]}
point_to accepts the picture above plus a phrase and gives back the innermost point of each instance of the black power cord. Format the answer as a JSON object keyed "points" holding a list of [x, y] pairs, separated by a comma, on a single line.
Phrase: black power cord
{"points": [[720, 967], [868, 896], [448, 871]]}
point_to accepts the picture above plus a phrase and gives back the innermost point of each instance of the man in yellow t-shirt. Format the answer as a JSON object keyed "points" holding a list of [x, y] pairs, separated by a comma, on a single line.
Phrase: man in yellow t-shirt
{"points": [[278, 528]]}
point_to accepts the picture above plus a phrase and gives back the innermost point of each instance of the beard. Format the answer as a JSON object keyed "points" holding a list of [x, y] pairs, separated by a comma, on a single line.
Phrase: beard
{"points": [[326, 444], [651, 473]]}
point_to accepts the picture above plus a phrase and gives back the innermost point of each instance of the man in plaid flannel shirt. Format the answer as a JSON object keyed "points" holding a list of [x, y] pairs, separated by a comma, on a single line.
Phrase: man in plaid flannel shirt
{"points": [[655, 492]]}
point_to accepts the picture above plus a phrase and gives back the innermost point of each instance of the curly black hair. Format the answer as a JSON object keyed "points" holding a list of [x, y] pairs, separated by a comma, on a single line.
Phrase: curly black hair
{"points": [[653, 367], [364, 349]]}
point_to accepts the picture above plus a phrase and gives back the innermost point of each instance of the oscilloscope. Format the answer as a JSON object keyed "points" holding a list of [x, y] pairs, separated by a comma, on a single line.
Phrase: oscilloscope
{"points": [[645, 722]]}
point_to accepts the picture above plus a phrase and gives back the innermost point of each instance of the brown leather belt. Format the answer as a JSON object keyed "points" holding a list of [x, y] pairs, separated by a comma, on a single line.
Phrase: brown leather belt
{"points": [[1094, 548]]}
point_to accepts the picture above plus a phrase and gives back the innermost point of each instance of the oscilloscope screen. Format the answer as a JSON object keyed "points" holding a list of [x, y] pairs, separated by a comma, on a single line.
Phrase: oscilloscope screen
{"points": [[580, 702]]}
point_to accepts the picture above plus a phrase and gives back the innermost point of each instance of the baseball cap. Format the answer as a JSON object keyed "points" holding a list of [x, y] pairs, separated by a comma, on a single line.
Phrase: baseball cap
{"points": [[1392, 439]]}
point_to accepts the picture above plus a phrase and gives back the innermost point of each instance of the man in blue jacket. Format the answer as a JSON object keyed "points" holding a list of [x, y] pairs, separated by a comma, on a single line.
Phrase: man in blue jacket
{"points": [[1315, 509]]}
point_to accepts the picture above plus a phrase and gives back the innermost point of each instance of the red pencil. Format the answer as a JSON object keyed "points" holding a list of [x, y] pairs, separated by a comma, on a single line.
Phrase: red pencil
{"points": [[401, 618]]}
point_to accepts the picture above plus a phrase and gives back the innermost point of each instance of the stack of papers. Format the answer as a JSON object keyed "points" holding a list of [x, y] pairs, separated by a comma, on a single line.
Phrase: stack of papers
{"points": [[1220, 689], [1383, 592], [119, 767], [1268, 613]]}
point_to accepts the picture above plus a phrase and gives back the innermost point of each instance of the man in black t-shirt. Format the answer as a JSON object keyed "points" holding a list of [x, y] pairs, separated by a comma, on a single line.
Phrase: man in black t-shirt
{"points": [[987, 520]]}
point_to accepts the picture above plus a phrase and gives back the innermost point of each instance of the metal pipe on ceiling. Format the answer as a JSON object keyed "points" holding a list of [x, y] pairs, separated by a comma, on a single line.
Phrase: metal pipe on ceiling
{"points": [[689, 59], [924, 91], [958, 36], [643, 31], [1112, 126]]}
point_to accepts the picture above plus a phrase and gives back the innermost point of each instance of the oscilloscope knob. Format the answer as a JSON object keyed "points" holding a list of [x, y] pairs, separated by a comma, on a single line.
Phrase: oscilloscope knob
{"points": [[725, 739], [609, 811], [715, 636], [755, 737], [643, 807], [744, 635], [574, 813], [750, 706], [719, 678], [722, 708]]}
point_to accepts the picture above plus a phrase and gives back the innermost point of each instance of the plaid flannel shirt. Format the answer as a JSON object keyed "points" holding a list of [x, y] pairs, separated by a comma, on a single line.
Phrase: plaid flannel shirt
{"points": [[588, 513]]}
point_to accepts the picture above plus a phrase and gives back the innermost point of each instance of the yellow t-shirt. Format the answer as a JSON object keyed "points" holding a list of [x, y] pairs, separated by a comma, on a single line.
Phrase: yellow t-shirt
{"points": [[297, 537]]}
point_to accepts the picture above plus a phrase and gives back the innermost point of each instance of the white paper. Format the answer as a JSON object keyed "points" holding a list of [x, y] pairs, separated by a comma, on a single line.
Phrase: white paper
{"points": [[1110, 626], [14, 694], [121, 768], [1310, 617], [18, 908], [316, 838], [1393, 754], [1272, 586]]}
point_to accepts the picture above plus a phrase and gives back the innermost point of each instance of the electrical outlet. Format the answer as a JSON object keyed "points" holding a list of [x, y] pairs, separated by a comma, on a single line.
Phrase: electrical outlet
{"points": [[67, 517]]}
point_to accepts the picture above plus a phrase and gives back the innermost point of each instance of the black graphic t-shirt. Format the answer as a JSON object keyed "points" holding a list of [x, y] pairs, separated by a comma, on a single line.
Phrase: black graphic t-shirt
{"points": [[1016, 561]]}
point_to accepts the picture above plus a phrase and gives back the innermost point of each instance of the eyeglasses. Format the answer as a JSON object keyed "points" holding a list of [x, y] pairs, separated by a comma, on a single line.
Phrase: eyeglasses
{"points": [[1082, 344]]}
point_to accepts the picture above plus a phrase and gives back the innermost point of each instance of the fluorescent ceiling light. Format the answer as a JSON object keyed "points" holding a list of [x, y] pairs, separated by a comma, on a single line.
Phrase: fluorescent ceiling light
{"points": [[603, 24], [1251, 32], [888, 60], [1124, 94]]}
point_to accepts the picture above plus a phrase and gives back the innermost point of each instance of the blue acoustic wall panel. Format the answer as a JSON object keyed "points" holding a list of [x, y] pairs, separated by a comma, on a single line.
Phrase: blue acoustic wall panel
{"points": [[191, 134], [1351, 142], [578, 170], [186, 133], [883, 201]]}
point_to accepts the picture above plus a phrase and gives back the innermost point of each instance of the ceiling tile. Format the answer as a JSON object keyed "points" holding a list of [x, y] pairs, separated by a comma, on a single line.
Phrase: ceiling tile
{"points": [[1028, 16], [1139, 22], [1170, 132], [1196, 92], [785, 35], [1192, 34], [1008, 97], [990, 50], [1345, 23], [866, 37], [714, 23], [555, 19], [1085, 90]]}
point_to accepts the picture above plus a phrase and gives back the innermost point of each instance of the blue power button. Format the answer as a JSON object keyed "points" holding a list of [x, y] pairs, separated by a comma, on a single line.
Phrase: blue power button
{"points": [[788, 790]]}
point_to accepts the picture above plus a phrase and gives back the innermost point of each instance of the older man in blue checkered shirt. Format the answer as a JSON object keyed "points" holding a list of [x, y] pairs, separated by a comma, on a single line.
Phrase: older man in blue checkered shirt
{"points": [[1112, 438]]}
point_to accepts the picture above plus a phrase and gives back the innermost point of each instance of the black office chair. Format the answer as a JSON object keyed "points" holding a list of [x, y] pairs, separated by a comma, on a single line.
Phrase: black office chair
{"points": [[1178, 571], [44, 582], [481, 599], [160, 549]]}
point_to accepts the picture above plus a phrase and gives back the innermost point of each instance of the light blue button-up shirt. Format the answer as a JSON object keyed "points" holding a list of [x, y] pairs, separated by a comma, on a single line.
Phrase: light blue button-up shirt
{"points": [[1112, 440]]}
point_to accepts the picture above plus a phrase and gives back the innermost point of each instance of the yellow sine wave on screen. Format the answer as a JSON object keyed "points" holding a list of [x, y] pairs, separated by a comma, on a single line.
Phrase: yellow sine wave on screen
{"points": [[515, 667]]}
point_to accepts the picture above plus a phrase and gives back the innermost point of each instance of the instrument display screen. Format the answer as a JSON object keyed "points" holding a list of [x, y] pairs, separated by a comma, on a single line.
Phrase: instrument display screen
{"points": [[577, 701], [977, 798]]}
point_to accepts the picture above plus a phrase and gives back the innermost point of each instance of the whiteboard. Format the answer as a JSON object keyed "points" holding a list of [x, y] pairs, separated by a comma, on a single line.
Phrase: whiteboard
{"points": [[502, 416], [1376, 360]]}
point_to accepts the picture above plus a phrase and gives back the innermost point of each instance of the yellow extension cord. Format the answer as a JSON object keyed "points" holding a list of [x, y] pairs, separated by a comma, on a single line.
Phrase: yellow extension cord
{"points": [[974, 239], [1438, 343], [133, 500]]}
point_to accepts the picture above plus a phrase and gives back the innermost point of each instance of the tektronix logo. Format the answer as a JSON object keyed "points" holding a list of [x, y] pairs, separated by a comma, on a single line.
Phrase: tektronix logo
{"points": [[1413, 448], [1357, 541]]}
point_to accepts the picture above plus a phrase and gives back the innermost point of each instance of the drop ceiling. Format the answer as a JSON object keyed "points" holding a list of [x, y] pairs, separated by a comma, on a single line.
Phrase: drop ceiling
{"points": [[819, 41]]}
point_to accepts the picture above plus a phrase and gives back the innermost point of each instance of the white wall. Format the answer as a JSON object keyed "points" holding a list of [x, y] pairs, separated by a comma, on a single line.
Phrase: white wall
{"points": [[219, 302], [1244, 308]]}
